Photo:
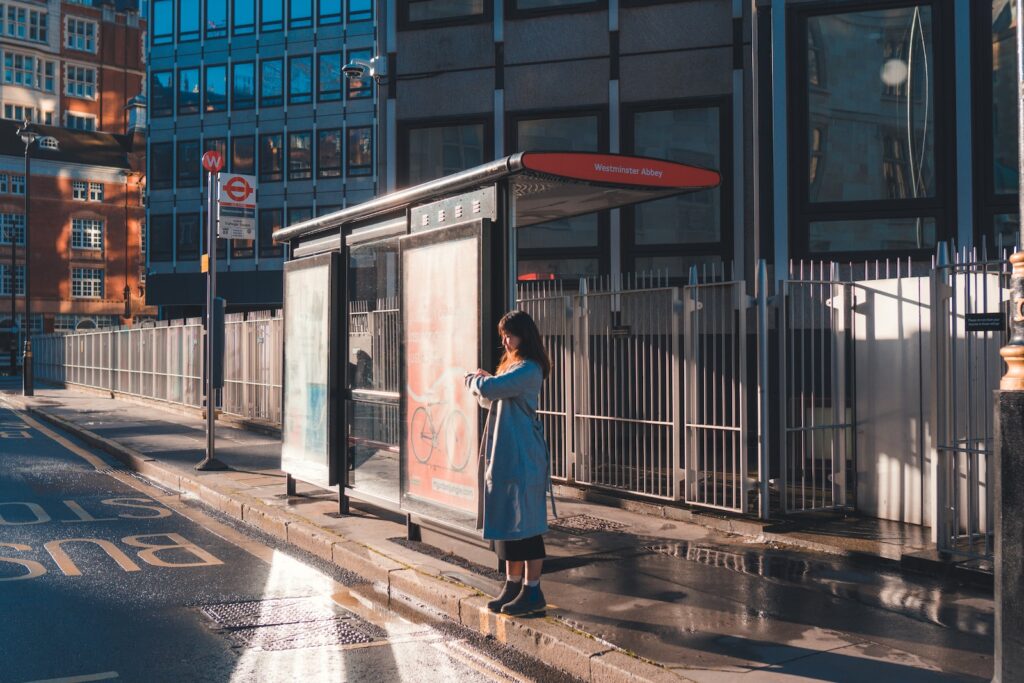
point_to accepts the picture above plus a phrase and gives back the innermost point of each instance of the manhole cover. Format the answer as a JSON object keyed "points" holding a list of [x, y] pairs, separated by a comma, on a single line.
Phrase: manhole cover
{"points": [[289, 624], [586, 524]]}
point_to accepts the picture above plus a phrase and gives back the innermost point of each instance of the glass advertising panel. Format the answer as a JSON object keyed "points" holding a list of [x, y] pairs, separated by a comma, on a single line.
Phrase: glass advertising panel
{"points": [[307, 448], [441, 308]]}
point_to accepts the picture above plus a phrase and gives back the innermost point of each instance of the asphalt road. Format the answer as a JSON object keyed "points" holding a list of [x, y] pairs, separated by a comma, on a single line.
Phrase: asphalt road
{"points": [[105, 577]]}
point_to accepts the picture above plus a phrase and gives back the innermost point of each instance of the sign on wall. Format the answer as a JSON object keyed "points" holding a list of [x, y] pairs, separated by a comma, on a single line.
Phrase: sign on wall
{"points": [[236, 206], [308, 430], [441, 305]]}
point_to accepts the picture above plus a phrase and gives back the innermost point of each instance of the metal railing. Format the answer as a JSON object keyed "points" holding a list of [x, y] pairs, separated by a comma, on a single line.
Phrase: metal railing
{"points": [[164, 362]]}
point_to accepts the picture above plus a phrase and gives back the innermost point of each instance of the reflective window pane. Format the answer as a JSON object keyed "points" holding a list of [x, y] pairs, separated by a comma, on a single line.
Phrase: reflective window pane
{"points": [[300, 13], [271, 15], [243, 157], [188, 236], [162, 93], [216, 18], [527, 5], [216, 88], [300, 156], [189, 167], [328, 153], [189, 16], [439, 151], [329, 12], [360, 88], [161, 237], [559, 268], [871, 105], [188, 91], [1007, 232], [270, 220], [161, 166], [360, 10], [163, 22], [564, 134], [271, 157], [871, 235], [689, 136], [1004, 98], [243, 85], [328, 77], [360, 151], [271, 83], [244, 19], [300, 80]]}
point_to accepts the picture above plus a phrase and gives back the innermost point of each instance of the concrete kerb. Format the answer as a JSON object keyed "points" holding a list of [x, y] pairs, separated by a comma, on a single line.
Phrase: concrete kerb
{"points": [[546, 639]]}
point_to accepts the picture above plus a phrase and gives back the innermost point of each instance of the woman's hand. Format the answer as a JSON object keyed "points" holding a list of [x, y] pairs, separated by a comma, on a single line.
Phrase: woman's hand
{"points": [[480, 372]]}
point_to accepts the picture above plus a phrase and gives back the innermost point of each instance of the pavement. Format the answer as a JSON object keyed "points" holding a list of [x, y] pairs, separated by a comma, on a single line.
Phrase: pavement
{"points": [[633, 596]]}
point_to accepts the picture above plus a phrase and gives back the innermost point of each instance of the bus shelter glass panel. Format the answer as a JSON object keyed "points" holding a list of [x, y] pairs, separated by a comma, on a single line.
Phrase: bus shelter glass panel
{"points": [[307, 448], [373, 369], [441, 303]]}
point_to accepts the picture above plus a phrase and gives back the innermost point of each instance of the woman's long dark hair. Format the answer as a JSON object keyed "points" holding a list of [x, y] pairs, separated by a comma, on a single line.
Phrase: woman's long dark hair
{"points": [[520, 324]]}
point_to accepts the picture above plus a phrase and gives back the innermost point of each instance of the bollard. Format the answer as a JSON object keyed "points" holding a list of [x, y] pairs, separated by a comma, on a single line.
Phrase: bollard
{"points": [[1009, 537]]}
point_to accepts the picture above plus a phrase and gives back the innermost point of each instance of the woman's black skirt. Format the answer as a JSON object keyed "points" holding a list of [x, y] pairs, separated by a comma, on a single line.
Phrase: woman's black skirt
{"points": [[531, 548]]}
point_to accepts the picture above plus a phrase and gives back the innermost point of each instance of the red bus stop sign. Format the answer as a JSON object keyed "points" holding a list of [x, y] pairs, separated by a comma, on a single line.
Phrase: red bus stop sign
{"points": [[213, 161]]}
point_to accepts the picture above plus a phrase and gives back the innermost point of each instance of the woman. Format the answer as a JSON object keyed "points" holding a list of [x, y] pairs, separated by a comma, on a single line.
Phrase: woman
{"points": [[517, 476]]}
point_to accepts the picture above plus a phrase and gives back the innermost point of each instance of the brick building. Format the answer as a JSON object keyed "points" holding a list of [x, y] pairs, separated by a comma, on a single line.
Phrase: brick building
{"points": [[86, 229], [71, 64]]}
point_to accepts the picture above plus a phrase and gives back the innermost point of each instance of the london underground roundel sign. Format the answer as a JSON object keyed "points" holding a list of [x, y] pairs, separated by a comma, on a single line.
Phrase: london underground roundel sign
{"points": [[213, 161], [238, 189]]}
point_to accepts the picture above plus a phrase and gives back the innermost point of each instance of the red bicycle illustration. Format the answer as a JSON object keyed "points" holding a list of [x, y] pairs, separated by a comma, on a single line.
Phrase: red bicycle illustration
{"points": [[437, 425]]}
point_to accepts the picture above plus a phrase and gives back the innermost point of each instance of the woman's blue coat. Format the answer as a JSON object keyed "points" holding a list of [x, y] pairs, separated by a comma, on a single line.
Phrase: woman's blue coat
{"points": [[517, 477]]}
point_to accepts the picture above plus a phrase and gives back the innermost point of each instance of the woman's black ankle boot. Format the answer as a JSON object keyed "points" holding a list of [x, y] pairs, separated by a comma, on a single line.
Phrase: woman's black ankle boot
{"points": [[508, 594]]}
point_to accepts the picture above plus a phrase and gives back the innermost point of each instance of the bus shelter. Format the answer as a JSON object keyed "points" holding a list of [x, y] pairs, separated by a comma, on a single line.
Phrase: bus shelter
{"points": [[387, 304]]}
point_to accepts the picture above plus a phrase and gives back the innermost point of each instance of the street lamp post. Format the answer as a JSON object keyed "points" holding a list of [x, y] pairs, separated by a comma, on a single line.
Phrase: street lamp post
{"points": [[12, 238], [28, 136]]}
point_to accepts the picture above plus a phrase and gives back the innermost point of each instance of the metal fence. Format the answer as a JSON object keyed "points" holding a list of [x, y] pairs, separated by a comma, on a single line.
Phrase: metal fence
{"points": [[164, 362]]}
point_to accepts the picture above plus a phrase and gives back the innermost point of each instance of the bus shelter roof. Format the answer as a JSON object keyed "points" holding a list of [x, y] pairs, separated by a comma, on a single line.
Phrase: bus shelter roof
{"points": [[545, 186]]}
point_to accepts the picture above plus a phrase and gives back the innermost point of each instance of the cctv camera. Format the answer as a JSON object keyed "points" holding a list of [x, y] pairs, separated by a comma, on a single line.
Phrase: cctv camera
{"points": [[355, 70]]}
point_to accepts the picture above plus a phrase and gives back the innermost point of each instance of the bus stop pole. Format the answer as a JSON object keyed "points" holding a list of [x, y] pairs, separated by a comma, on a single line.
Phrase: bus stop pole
{"points": [[209, 461]]}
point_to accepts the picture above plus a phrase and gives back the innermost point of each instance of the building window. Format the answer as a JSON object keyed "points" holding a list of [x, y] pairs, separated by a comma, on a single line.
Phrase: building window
{"points": [[328, 153], [271, 15], [188, 236], [161, 94], [271, 157], [243, 155], [867, 174], [163, 22], [244, 17], [360, 151], [188, 163], [87, 283], [329, 12], [81, 121], [300, 80], [360, 10], [433, 12], [3, 183], [189, 17], [996, 125], [19, 69], [188, 91], [80, 82], [271, 83], [216, 18], [5, 281], [570, 247], [300, 13], [161, 237], [434, 151], [17, 184], [161, 166], [219, 145], [216, 88], [86, 233], [672, 234], [300, 156], [79, 190], [24, 23], [299, 214], [81, 35], [360, 88], [12, 225], [95, 192], [243, 85], [270, 220], [328, 77]]}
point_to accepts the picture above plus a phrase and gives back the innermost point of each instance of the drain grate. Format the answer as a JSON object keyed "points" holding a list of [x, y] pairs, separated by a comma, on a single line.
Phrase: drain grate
{"points": [[585, 524], [290, 624]]}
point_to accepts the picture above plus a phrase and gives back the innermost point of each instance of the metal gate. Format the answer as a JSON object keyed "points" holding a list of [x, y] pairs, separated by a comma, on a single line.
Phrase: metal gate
{"points": [[626, 391], [972, 304], [815, 413], [715, 343], [552, 310]]}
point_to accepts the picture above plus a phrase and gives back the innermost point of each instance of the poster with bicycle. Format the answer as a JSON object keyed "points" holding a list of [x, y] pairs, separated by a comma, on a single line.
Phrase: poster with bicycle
{"points": [[441, 330]]}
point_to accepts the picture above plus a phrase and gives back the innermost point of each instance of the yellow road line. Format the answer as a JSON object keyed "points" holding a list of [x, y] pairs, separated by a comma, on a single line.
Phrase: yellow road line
{"points": [[93, 460]]}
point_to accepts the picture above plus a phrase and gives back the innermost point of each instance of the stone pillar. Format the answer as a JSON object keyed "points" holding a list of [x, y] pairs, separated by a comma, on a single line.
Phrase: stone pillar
{"points": [[1009, 537]]}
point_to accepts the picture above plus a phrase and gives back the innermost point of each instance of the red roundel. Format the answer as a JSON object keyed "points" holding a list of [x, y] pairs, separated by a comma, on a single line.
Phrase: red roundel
{"points": [[213, 161], [237, 189]]}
